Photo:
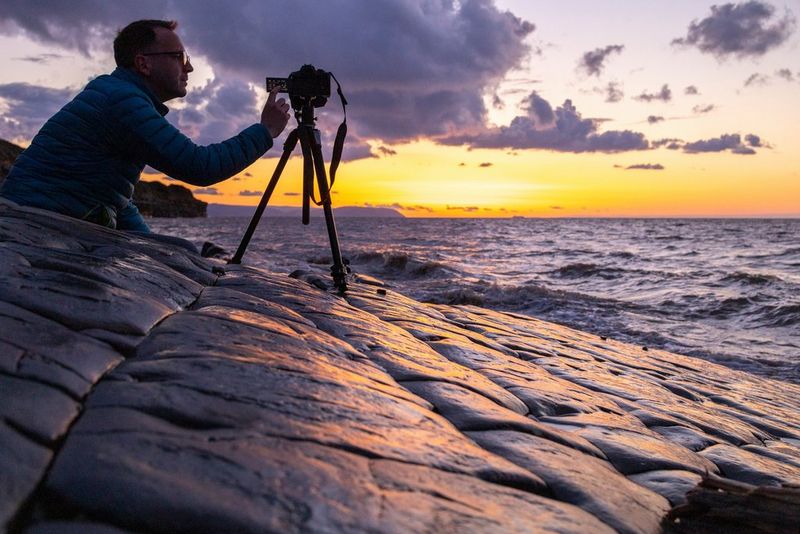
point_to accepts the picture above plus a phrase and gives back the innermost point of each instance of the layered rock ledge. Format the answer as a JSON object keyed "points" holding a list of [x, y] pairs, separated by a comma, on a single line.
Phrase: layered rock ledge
{"points": [[145, 388]]}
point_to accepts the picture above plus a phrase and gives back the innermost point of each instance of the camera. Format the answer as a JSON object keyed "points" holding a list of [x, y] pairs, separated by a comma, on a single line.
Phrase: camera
{"points": [[307, 85]]}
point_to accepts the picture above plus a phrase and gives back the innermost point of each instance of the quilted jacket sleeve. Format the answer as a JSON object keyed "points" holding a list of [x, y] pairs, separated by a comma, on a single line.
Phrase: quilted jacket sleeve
{"points": [[150, 139]]}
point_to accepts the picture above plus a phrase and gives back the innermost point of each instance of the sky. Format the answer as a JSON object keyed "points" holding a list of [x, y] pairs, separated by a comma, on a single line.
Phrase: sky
{"points": [[471, 108]]}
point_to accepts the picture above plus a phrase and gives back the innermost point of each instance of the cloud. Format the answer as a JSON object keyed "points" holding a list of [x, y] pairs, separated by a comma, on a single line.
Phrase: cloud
{"points": [[691, 90], [670, 143], [556, 207], [753, 140], [486, 164], [468, 209], [645, 167], [291, 194], [703, 109], [613, 92], [40, 58], [248, 193], [386, 151], [417, 207], [741, 30], [562, 129], [786, 74], [730, 142], [756, 79], [206, 191], [665, 95], [592, 61], [653, 119], [27, 107], [416, 69]]}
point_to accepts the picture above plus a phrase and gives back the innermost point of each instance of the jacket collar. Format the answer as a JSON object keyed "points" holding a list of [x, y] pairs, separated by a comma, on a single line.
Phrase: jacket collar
{"points": [[130, 76]]}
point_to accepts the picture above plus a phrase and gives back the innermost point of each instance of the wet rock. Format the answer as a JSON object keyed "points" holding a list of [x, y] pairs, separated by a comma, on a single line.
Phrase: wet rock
{"points": [[269, 484], [746, 466], [22, 464], [633, 452], [692, 439], [582, 480], [672, 484], [469, 411]]}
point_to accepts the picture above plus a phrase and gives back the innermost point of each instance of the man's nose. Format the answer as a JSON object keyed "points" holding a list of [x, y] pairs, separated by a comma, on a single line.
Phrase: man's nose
{"points": [[188, 67]]}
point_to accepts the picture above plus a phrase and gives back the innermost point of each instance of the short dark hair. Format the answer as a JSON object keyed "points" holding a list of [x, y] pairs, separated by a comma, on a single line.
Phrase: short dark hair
{"points": [[136, 36]]}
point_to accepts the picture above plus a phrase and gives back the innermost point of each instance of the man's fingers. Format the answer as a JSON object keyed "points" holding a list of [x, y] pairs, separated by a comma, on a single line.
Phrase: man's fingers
{"points": [[272, 95]]}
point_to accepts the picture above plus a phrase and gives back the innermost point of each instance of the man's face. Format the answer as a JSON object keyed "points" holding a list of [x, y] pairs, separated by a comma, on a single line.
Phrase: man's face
{"points": [[162, 67]]}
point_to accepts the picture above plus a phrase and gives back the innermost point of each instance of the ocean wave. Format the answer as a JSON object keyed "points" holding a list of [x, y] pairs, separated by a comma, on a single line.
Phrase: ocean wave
{"points": [[780, 316], [756, 279], [587, 270], [396, 264]]}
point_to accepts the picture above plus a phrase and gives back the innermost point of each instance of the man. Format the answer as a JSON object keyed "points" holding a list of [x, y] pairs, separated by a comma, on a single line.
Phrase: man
{"points": [[87, 158]]}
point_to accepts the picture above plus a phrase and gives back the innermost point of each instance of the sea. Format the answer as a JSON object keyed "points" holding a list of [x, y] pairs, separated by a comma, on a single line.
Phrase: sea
{"points": [[725, 290]]}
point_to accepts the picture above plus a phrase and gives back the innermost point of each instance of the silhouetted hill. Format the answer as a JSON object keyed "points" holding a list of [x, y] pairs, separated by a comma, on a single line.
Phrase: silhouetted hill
{"points": [[8, 154], [155, 199]]}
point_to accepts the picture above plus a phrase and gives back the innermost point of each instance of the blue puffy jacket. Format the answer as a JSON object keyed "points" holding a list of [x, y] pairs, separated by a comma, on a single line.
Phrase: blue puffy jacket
{"points": [[87, 158]]}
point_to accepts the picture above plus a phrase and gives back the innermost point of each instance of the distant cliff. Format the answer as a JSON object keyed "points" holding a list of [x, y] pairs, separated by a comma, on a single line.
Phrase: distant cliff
{"points": [[8, 153], [153, 199]]}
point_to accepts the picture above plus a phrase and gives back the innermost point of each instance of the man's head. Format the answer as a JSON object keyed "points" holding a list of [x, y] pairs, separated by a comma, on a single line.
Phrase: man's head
{"points": [[152, 49]]}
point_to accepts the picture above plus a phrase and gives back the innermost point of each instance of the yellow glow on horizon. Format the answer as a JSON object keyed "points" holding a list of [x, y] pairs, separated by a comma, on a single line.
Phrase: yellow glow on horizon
{"points": [[428, 180]]}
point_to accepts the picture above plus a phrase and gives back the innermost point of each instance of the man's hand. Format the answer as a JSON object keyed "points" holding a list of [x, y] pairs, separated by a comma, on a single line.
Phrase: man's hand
{"points": [[275, 114]]}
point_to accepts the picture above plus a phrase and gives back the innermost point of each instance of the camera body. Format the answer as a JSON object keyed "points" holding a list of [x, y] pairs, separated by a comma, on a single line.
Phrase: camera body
{"points": [[307, 85]]}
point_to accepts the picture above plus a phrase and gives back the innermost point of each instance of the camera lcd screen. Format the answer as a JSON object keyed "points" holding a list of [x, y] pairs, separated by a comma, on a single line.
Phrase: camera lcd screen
{"points": [[279, 83]]}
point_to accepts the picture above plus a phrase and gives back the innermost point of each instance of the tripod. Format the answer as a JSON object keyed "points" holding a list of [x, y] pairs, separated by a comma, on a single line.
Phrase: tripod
{"points": [[313, 163]]}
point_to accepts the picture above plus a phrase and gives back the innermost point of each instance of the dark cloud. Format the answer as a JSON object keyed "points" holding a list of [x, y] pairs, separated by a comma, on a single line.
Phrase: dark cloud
{"points": [[248, 193], [417, 208], [592, 62], [40, 58], [613, 92], [206, 191], [786, 74], [486, 164], [386, 151], [414, 69], [746, 29], [562, 129], [468, 209], [669, 143], [753, 140], [27, 107], [665, 95], [291, 194], [756, 79], [645, 167], [691, 90], [703, 109], [730, 142], [556, 208], [653, 119]]}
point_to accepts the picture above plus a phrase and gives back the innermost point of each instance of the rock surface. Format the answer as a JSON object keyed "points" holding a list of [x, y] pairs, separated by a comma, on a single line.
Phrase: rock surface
{"points": [[142, 390]]}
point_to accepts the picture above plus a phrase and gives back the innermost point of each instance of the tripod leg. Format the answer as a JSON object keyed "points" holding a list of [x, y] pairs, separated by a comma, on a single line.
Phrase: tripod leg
{"points": [[338, 270], [288, 147], [308, 170]]}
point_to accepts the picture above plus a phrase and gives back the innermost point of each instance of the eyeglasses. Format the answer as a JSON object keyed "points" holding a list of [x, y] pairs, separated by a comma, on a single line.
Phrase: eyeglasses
{"points": [[180, 54]]}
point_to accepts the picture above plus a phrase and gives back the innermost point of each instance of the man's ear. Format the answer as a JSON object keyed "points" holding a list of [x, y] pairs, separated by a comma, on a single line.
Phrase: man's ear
{"points": [[141, 65]]}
